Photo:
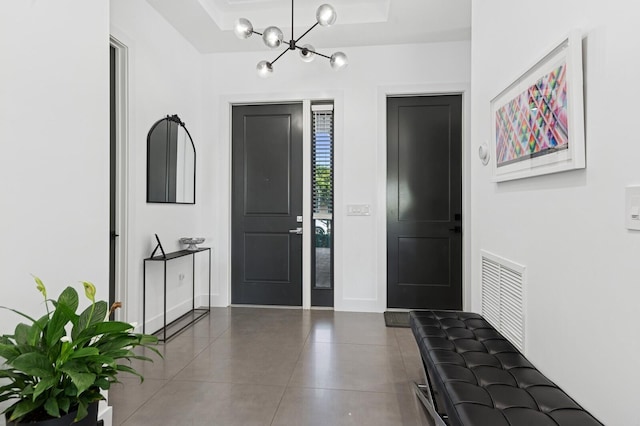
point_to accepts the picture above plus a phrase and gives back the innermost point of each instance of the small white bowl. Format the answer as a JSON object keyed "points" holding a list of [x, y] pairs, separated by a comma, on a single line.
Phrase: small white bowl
{"points": [[192, 241]]}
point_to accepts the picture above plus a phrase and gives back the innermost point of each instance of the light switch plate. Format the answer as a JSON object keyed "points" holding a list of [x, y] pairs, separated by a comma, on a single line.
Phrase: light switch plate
{"points": [[358, 210], [632, 206]]}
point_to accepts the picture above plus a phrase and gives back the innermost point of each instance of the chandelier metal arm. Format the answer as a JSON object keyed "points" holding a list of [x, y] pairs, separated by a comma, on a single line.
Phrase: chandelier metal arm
{"points": [[280, 55], [306, 32], [293, 45], [314, 53]]}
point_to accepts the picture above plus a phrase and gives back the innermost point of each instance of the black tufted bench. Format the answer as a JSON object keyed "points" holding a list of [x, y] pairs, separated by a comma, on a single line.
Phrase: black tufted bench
{"points": [[476, 377]]}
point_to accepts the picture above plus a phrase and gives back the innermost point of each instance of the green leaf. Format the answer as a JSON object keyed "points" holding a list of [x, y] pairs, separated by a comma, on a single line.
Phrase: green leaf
{"points": [[142, 358], [83, 381], [101, 359], [23, 407], [151, 348], [13, 375], [27, 390], [55, 328], [69, 298], [106, 330], [44, 385], [117, 342], [34, 364], [64, 403], [6, 396], [61, 352], [82, 411], [121, 367], [99, 314], [71, 390], [69, 313], [51, 407], [18, 312], [146, 339], [110, 327], [8, 352], [85, 352], [22, 334], [78, 366], [33, 336], [103, 383]]}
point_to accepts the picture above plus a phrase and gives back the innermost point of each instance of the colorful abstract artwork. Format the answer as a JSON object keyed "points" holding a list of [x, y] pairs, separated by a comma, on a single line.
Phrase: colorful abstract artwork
{"points": [[535, 122]]}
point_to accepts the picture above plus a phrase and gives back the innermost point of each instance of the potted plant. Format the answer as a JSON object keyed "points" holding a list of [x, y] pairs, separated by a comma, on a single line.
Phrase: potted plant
{"points": [[56, 366]]}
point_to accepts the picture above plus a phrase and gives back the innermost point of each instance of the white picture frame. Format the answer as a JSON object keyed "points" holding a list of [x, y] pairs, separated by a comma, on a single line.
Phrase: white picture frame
{"points": [[537, 122]]}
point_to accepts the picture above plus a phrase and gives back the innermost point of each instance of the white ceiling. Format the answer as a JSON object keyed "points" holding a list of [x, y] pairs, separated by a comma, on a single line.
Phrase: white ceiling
{"points": [[207, 24]]}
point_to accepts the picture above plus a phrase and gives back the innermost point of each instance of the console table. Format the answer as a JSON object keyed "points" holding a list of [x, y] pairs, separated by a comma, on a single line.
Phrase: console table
{"points": [[190, 316]]}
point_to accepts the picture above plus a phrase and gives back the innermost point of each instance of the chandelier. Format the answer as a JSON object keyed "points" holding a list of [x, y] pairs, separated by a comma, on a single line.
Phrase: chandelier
{"points": [[273, 38]]}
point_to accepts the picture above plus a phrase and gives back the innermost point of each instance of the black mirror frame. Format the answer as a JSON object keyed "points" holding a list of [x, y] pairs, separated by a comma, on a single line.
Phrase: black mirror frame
{"points": [[177, 120]]}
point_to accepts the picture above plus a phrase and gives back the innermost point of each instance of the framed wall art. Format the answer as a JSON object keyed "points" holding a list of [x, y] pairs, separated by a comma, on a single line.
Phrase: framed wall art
{"points": [[537, 123]]}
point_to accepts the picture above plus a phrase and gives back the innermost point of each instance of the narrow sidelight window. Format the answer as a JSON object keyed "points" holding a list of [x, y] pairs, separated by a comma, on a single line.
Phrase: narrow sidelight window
{"points": [[322, 199]]}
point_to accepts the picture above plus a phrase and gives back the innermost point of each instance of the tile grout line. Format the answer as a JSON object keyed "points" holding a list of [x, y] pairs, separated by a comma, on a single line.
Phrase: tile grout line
{"points": [[143, 404], [275, 412], [167, 381], [211, 342]]}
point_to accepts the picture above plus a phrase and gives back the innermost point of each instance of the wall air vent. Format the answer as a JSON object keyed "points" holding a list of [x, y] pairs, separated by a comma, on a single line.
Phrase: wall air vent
{"points": [[503, 297]]}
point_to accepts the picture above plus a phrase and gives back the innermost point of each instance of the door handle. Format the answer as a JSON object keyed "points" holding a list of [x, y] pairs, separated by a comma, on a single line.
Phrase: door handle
{"points": [[114, 235], [297, 231], [456, 229]]}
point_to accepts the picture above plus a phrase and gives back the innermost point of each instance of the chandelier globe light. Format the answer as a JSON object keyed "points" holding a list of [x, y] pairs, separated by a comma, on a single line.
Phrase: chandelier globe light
{"points": [[273, 37], [243, 28], [307, 53], [326, 15], [338, 60], [264, 69]]}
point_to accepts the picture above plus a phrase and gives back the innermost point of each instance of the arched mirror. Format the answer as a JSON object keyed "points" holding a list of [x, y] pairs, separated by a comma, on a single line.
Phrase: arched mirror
{"points": [[171, 163]]}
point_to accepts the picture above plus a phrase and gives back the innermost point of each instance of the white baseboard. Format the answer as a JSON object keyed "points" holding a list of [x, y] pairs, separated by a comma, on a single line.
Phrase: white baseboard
{"points": [[157, 322], [105, 412]]}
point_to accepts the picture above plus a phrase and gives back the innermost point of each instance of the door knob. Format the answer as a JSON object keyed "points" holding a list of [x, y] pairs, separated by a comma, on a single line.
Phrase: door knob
{"points": [[297, 231], [456, 229]]}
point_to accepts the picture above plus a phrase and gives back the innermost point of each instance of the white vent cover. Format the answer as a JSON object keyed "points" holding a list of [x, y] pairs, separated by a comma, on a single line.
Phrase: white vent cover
{"points": [[503, 303]]}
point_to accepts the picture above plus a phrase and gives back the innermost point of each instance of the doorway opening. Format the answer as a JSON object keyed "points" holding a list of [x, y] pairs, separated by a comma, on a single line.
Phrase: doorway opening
{"points": [[118, 175]]}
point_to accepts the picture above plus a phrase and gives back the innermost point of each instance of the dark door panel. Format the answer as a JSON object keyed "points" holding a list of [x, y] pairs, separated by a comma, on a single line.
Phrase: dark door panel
{"points": [[424, 202], [267, 198], [267, 164]]}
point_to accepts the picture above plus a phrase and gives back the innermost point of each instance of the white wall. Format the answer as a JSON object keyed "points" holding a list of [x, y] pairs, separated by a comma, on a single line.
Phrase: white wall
{"points": [[359, 241], [165, 77], [54, 127], [568, 229], [200, 88]]}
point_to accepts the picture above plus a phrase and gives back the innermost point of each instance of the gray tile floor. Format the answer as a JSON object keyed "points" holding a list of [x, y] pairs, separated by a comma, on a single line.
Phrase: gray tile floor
{"points": [[254, 366]]}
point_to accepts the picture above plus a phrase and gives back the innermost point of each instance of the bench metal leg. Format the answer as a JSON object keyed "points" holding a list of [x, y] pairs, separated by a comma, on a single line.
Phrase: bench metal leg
{"points": [[424, 396]]}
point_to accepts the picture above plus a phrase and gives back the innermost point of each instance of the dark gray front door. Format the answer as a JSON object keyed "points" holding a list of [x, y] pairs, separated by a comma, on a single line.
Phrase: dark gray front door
{"points": [[266, 203], [424, 202]]}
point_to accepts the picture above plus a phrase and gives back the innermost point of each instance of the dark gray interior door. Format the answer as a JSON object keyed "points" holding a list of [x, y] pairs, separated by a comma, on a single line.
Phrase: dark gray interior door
{"points": [[424, 202], [266, 264]]}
